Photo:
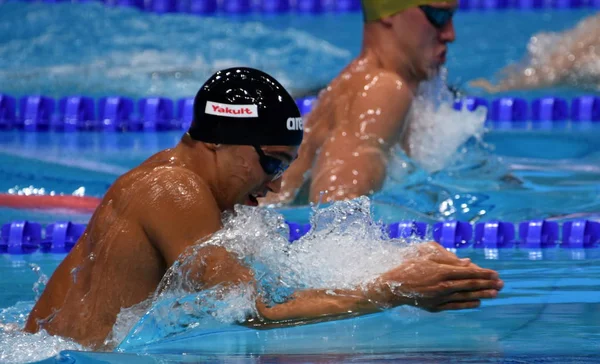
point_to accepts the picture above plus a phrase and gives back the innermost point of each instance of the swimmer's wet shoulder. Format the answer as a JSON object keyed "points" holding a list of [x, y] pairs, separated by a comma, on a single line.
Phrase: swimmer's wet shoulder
{"points": [[180, 211], [364, 107], [352, 159]]}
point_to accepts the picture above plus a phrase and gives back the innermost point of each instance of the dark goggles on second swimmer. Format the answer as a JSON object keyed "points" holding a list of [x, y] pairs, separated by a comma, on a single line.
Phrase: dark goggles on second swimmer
{"points": [[438, 17], [272, 166]]}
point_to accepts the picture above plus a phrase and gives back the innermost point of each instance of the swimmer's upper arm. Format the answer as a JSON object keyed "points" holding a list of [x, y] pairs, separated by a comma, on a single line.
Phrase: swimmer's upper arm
{"points": [[352, 162], [179, 210]]}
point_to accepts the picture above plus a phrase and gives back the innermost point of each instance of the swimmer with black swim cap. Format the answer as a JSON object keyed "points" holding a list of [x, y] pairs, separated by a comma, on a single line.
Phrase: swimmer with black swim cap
{"points": [[246, 131], [247, 107]]}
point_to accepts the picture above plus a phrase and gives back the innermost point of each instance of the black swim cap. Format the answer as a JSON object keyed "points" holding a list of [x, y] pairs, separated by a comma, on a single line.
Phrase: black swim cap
{"points": [[245, 106]]}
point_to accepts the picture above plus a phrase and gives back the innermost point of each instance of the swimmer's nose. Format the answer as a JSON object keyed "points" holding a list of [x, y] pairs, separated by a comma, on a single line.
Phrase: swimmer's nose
{"points": [[447, 33]]}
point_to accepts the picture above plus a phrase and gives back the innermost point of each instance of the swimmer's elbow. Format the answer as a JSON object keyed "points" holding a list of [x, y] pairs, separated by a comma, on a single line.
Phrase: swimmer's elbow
{"points": [[35, 322], [220, 267]]}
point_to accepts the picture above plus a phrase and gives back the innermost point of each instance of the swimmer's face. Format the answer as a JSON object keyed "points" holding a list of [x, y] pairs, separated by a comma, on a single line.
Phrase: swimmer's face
{"points": [[247, 178], [424, 44]]}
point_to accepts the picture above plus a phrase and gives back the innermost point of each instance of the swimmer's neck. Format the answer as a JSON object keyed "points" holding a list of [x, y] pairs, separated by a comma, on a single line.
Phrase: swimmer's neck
{"points": [[378, 48], [197, 158]]}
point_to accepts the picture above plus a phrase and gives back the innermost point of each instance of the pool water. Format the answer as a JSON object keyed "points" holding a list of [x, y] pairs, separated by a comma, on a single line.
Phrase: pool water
{"points": [[516, 177], [549, 310], [90, 49], [64, 49]]}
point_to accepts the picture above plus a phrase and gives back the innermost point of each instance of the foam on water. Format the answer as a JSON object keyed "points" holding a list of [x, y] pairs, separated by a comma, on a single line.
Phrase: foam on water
{"points": [[17, 346], [339, 252], [20, 347], [441, 141], [446, 163], [452, 173], [437, 130], [345, 249]]}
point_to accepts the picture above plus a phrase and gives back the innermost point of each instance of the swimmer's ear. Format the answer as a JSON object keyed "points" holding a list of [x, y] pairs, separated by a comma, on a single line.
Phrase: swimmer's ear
{"points": [[387, 21]]}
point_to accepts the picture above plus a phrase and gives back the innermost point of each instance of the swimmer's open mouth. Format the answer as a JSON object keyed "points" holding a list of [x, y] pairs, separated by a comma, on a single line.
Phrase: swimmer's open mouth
{"points": [[442, 57], [253, 198]]}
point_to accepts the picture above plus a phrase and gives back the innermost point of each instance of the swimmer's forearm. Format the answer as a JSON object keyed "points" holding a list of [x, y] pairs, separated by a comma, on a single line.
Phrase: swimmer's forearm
{"points": [[319, 305], [316, 304], [535, 76]]}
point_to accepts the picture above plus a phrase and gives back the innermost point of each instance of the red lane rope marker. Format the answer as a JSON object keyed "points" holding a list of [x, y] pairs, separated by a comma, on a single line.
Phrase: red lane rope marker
{"points": [[45, 202]]}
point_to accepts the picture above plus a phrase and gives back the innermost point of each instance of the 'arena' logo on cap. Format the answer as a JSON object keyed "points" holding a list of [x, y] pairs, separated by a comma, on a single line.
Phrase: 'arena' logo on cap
{"points": [[232, 111], [294, 123]]}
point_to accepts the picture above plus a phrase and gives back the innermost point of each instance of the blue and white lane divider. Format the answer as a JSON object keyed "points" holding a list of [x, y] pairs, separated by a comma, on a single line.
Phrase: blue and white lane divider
{"points": [[117, 113], [314, 7], [25, 237]]}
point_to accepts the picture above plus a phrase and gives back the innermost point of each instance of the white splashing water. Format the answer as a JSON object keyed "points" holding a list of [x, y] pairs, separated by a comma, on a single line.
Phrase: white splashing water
{"points": [[339, 252], [20, 347], [345, 250], [40, 284], [437, 130], [17, 346]]}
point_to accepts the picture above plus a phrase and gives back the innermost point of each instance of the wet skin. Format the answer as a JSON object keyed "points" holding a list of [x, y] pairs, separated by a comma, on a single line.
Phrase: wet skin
{"points": [[362, 113], [151, 216], [144, 222]]}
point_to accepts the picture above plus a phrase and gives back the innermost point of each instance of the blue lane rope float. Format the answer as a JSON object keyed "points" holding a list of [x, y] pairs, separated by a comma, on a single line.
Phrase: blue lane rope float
{"points": [[269, 7], [117, 113], [26, 237]]}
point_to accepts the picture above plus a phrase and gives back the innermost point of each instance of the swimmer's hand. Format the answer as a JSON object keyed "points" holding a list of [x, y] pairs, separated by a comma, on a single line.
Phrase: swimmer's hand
{"points": [[486, 85], [437, 280], [432, 279], [276, 199]]}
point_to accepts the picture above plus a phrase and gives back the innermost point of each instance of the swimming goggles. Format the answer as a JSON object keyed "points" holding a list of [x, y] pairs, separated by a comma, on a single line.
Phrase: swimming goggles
{"points": [[438, 17], [271, 165]]}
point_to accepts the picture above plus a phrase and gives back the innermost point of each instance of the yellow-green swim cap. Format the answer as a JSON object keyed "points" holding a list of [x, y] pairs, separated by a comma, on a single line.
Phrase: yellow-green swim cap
{"points": [[377, 9]]}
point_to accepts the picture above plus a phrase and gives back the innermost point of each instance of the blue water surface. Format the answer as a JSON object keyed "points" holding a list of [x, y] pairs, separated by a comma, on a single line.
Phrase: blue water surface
{"points": [[549, 311], [91, 49], [519, 175], [64, 49]]}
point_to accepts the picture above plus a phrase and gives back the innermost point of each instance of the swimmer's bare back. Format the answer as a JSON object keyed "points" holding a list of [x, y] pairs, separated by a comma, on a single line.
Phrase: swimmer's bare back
{"points": [[348, 133], [120, 259]]}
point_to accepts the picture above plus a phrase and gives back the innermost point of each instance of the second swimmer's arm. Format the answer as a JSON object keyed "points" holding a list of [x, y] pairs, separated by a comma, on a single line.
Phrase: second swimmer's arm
{"points": [[353, 161], [294, 177], [559, 61]]}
